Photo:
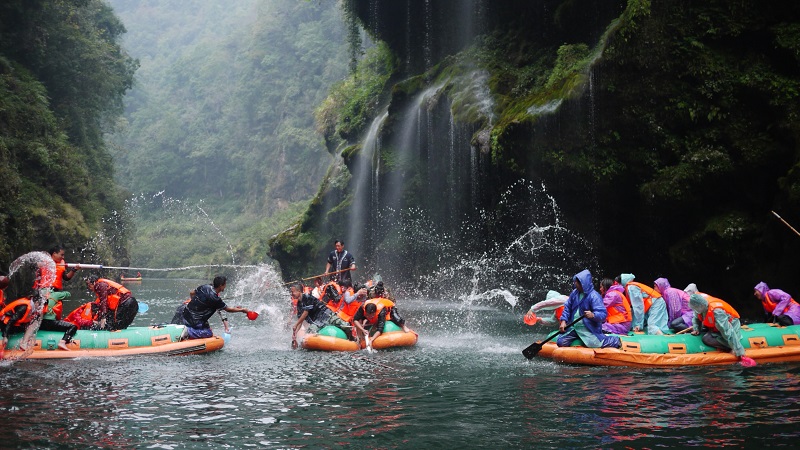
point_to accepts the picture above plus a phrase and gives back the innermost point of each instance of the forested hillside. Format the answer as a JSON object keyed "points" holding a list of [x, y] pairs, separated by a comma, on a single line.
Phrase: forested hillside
{"points": [[221, 118], [62, 79]]}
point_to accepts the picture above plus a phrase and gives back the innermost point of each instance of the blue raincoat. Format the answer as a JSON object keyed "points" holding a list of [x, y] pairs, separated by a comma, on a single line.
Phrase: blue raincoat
{"points": [[589, 331]]}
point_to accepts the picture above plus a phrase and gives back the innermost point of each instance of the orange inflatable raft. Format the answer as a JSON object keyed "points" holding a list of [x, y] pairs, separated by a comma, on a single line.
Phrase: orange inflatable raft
{"points": [[333, 339], [765, 343]]}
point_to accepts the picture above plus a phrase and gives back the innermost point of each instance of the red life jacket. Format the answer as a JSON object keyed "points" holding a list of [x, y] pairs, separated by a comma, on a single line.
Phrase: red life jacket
{"points": [[380, 303], [617, 316], [114, 294], [649, 293], [714, 303], [2, 299], [82, 316], [8, 310], [769, 304]]}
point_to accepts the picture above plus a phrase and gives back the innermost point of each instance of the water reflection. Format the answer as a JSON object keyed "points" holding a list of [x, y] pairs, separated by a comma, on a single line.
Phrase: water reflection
{"points": [[462, 386]]}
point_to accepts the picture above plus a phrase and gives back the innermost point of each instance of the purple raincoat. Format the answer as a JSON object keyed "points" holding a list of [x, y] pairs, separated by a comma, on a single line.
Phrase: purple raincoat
{"points": [[677, 300], [785, 304]]}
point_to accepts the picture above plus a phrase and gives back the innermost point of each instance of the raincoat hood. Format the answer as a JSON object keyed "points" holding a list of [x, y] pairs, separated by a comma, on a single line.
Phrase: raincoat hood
{"points": [[584, 277], [662, 284], [691, 288], [626, 278], [698, 304], [762, 288], [551, 295]]}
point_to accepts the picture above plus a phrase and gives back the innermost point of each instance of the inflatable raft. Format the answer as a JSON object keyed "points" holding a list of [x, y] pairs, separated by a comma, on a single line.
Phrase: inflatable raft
{"points": [[333, 339], [130, 279], [765, 343], [164, 340]]}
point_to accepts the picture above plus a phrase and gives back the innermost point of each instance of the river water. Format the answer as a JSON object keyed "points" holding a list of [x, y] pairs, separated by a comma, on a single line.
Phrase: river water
{"points": [[465, 385]]}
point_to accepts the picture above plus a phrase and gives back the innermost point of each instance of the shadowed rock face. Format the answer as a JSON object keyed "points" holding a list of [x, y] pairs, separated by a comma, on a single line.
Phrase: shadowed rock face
{"points": [[665, 152]]}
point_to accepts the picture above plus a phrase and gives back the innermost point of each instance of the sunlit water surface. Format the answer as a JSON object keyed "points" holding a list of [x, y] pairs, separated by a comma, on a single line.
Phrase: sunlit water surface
{"points": [[465, 385]]}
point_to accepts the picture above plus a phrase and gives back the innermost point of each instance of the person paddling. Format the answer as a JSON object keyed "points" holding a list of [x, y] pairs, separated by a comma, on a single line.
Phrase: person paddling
{"points": [[584, 301]]}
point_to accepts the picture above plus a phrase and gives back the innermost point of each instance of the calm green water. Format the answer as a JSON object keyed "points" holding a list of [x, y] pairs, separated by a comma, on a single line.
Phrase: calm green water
{"points": [[465, 385]]}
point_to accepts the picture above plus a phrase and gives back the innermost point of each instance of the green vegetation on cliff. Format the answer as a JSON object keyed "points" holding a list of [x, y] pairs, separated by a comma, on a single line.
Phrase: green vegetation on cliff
{"points": [[62, 79]]}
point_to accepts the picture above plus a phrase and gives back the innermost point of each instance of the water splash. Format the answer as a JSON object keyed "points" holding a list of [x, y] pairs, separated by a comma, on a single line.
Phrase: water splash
{"points": [[260, 289], [172, 214], [36, 260]]}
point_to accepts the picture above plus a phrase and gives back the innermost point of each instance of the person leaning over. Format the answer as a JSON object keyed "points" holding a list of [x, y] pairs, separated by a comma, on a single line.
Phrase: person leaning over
{"points": [[205, 302], [117, 306], [720, 325]]}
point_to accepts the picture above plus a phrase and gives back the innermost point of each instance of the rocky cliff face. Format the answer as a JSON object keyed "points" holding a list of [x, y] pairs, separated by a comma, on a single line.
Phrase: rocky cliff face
{"points": [[539, 138]]}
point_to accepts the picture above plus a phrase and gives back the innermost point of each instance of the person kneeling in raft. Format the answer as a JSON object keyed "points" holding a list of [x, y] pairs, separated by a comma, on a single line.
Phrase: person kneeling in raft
{"points": [[205, 303], [310, 309], [722, 323], [376, 312], [585, 301]]}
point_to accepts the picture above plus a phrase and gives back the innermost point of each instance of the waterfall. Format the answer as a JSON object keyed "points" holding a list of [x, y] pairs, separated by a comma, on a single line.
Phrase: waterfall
{"points": [[359, 226]]}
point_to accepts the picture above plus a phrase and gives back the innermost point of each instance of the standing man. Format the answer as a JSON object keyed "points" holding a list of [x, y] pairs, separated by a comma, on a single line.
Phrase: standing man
{"points": [[205, 302], [341, 260]]}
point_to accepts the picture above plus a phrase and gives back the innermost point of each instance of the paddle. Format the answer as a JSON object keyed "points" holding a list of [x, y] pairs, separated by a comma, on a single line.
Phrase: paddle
{"points": [[533, 349], [317, 276]]}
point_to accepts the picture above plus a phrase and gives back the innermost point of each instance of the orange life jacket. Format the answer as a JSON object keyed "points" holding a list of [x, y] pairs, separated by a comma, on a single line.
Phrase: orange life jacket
{"points": [[617, 316], [347, 311], [8, 310], [559, 311], [714, 303], [57, 309], [380, 303], [769, 304], [61, 267], [334, 305], [115, 293], [82, 316], [2, 299], [649, 293]]}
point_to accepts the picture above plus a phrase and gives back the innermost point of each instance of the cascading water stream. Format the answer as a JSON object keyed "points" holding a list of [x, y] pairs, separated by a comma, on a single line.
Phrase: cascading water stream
{"points": [[365, 192]]}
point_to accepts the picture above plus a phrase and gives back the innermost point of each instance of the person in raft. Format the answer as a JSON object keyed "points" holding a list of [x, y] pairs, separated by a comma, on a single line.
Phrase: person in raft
{"points": [[338, 260], [54, 282], [618, 308], [117, 306], [721, 326], [205, 302], [548, 310], [51, 320], [375, 312], [648, 309], [311, 310], [15, 318], [779, 306], [677, 302], [585, 301]]}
